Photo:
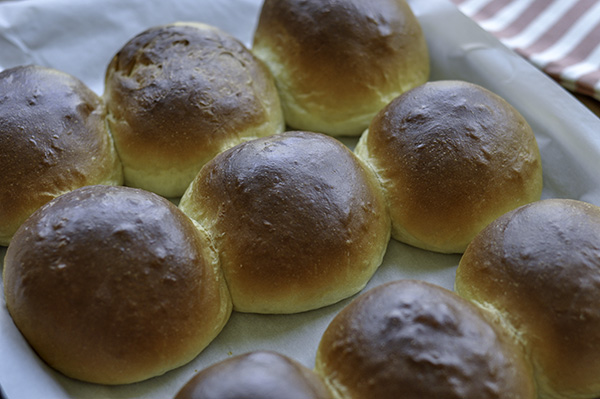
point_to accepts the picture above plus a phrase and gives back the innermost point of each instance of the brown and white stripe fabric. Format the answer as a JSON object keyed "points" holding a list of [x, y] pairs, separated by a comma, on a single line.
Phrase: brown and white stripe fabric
{"points": [[561, 37]]}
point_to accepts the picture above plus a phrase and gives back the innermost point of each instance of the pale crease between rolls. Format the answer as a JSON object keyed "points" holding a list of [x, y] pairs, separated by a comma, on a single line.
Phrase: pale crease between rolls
{"points": [[53, 139], [337, 63], [537, 270], [179, 94]]}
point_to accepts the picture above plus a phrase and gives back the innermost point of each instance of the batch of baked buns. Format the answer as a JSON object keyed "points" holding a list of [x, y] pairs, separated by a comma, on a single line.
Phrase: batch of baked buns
{"points": [[208, 178]]}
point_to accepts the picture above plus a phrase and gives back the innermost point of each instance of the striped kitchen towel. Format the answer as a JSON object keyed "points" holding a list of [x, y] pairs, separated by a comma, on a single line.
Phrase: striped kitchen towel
{"points": [[561, 37]]}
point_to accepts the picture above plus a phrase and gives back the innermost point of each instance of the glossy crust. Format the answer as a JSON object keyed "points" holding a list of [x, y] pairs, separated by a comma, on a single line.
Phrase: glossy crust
{"points": [[411, 339], [338, 62], [179, 94], [53, 139], [255, 375], [114, 285], [538, 267], [298, 221], [452, 157]]}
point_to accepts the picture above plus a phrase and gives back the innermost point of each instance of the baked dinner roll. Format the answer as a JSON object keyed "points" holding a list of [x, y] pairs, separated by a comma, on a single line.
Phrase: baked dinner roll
{"points": [[298, 221], [410, 339], [179, 94], [114, 285], [53, 139], [338, 62], [255, 375], [452, 157], [538, 268]]}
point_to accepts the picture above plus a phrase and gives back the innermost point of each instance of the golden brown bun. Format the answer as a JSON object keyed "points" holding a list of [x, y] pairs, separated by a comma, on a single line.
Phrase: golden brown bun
{"points": [[452, 157], [298, 221], [337, 63], [114, 285], [412, 340], [538, 268], [179, 94], [255, 375], [53, 139]]}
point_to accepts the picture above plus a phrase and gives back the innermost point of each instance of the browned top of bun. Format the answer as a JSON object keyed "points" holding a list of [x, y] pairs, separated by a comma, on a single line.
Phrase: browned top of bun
{"points": [[453, 156], [539, 267], [53, 139], [412, 339], [182, 90], [296, 217], [342, 56], [338, 38], [261, 374], [113, 285]]}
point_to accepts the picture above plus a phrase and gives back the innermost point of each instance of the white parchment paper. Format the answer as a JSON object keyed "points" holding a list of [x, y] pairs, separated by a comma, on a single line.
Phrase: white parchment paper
{"points": [[80, 37]]}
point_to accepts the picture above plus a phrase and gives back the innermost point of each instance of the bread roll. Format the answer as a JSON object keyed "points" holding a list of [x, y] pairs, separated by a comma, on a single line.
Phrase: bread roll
{"points": [[452, 156], [255, 375], [538, 268], [179, 94], [337, 63], [298, 221], [53, 139], [412, 340], [114, 285]]}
